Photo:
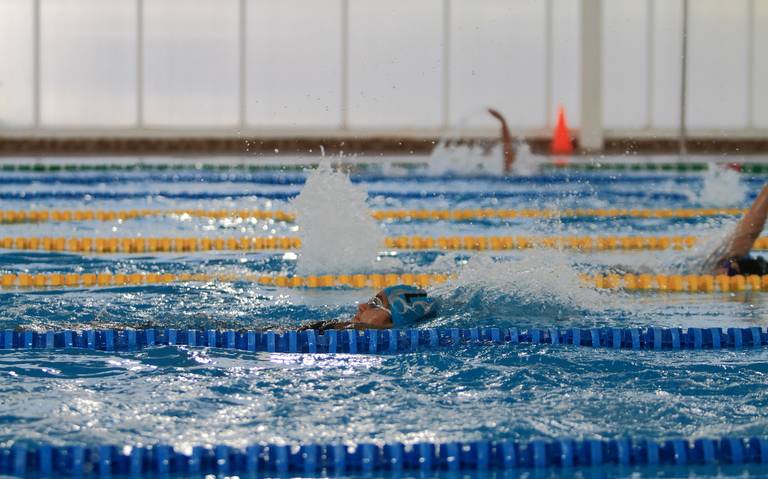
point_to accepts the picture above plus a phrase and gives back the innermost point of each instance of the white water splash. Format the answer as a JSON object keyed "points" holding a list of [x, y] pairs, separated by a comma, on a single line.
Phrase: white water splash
{"points": [[544, 278], [335, 225], [455, 159], [721, 188], [710, 247], [526, 163], [450, 156]]}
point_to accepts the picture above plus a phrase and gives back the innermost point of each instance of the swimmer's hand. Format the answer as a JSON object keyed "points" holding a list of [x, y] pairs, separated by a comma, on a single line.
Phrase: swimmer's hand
{"points": [[495, 113]]}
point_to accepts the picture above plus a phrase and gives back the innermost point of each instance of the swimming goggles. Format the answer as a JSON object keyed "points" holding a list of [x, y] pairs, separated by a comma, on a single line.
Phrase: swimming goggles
{"points": [[376, 302]]}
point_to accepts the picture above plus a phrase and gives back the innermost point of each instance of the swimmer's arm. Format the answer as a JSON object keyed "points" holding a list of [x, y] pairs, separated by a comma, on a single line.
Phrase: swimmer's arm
{"points": [[747, 231], [750, 226], [506, 140]]}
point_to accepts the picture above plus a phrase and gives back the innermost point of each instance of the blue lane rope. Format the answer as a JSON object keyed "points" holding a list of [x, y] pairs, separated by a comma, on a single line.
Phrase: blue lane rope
{"points": [[390, 341], [300, 179], [24, 459], [451, 195]]}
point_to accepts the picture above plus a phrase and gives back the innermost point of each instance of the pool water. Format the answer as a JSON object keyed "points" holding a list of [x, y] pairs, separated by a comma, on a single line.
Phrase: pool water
{"points": [[187, 396]]}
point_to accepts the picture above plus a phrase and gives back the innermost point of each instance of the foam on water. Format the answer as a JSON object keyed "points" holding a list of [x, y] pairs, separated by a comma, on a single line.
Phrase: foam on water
{"points": [[526, 163], [462, 159], [448, 158], [337, 231], [542, 279], [710, 247], [721, 187]]}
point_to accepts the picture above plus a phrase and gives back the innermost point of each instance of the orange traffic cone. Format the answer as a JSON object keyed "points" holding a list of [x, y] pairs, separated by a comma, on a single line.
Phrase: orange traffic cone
{"points": [[561, 141]]}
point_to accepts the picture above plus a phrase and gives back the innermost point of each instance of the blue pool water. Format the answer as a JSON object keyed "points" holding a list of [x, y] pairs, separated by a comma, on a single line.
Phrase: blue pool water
{"points": [[186, 396]]}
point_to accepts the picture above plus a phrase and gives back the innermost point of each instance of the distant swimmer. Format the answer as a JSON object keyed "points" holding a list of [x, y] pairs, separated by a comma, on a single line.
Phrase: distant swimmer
{"points": [[732, 256], [398, 306], [506, 140]]}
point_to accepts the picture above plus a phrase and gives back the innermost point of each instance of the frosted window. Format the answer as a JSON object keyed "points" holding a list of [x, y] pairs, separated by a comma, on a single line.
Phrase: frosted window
{"points": [[666, 54], [625, 64], [88, 62], [191, 62], [395, 63], [16, 83], [294, 63], [717, 64], [566, 61], [760, 74], [498, 59]]}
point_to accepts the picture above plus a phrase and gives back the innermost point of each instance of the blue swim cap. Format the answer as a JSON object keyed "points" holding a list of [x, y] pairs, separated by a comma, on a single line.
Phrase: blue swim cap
{"points": [[408, 304]]}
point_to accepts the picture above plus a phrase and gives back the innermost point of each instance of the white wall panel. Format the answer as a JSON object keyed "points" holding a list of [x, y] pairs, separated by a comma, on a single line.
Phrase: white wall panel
{"points": [[499, 60], [667, 40], [625, 63], [16, 87], [717, 64], [88, 63], [395, 63], [191, 62], [760, 73], [294, 63]]}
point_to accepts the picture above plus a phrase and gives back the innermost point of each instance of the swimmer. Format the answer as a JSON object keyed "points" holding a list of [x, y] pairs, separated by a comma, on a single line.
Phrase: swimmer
{"points": [[732, 256], [397, 307], [506, 140]]}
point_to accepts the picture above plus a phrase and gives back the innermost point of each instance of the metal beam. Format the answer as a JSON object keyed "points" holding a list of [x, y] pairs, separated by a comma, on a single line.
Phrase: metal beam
{"points": [[241, 63], [140, 63], [548, 41], [650, 59], [591, 128], [446, 63], [36, 104], [751, 64], [344, 64], [683, 147]]}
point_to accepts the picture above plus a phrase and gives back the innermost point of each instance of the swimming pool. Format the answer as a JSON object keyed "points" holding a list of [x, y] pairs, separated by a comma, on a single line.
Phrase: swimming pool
{"points": [[186, 395]]}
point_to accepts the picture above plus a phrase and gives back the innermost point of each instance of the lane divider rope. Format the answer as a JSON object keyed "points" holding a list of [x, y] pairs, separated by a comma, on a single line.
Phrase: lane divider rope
{"points": [[78, 280], [609, 195], [390, 341], [678, 283], [749, 168], [414, 242], [38, 216], [292, 178], [659, 283], [191, 165], [23, 459]]}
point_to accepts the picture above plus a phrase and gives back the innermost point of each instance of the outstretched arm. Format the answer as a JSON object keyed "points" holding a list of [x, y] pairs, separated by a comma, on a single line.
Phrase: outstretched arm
{"points": [[747, 231], [750, 226], [506, 140]]}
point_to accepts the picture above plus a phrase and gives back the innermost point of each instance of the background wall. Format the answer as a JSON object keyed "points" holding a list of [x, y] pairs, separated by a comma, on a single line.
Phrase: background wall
{"points": [[298, 65]]}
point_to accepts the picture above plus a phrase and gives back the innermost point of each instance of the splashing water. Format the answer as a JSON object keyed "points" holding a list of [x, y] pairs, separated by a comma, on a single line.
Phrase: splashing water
{"points": [[721, 187], [703, 257], [337, 231], [464, 159], [448, 157], [525, 163], [542, 282]]}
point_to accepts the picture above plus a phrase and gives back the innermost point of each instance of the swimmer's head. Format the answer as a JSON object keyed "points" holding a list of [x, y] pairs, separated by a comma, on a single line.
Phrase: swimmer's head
{"points": [[396, 306], [408, 304]]}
